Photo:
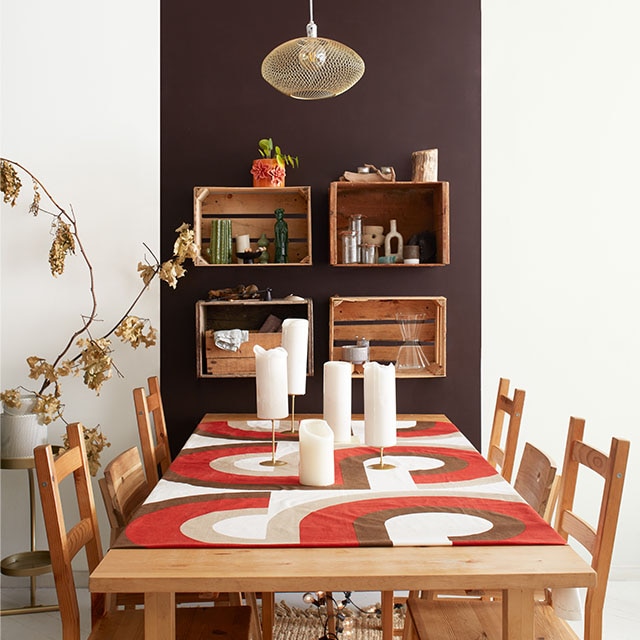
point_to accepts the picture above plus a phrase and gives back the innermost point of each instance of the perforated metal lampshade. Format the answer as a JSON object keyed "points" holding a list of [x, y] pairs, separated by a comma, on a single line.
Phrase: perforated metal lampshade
{"points": [[312, 68]]}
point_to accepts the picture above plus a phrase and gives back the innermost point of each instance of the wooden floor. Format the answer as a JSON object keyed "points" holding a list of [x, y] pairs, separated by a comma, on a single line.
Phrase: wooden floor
{"points": [[621, 615]]}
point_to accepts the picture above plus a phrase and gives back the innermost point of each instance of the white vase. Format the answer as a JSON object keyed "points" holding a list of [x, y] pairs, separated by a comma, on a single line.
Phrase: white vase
{"points": [[21, 431], [393, 235]]}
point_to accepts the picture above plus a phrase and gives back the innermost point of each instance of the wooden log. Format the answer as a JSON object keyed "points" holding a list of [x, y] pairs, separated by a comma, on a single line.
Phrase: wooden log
{"points": [[425, 165]]}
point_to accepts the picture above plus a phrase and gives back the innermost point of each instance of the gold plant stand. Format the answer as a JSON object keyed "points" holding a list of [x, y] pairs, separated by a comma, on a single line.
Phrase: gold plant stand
{"points": [[30, 563]]}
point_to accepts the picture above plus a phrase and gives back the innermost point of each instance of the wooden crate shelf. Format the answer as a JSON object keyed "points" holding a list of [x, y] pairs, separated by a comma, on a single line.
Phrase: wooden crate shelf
{"points": [[374, 318], [416, 206], [214, 315], [251, 210]]}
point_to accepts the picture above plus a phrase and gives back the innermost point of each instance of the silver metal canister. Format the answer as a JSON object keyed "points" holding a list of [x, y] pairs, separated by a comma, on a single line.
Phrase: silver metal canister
{"points": [[355, 224]]}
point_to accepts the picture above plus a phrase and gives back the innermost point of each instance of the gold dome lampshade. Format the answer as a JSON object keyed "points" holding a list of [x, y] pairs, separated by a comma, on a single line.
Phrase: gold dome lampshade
{"points": [[312, 68]]}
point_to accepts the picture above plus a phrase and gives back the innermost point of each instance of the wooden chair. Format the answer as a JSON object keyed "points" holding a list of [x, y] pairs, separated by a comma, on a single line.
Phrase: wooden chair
{"points": [[65, 543], [156, 455], [502, 446], [152, 429], [123, 487], [469, 620], [536, 480]]}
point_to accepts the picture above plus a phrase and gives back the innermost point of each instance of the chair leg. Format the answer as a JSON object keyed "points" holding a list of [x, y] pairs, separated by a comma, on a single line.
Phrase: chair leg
{"points": [[256, 629], [268, 614]]}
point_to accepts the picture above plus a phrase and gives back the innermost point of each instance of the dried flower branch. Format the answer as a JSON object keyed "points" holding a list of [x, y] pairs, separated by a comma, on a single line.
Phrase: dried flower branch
{"points": [[93, 359]]}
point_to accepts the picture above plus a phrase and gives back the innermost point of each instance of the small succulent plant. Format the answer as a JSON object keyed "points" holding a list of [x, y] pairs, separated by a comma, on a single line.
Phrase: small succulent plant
{"points": [[268, 150]]}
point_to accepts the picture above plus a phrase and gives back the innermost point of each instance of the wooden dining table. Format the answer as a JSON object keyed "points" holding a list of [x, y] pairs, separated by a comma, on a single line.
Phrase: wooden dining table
{"points": [[439, 519]]}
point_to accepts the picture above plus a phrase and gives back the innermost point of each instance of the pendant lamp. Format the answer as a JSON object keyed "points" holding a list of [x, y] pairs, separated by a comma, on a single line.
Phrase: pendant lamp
{"points": [[312, 68]]}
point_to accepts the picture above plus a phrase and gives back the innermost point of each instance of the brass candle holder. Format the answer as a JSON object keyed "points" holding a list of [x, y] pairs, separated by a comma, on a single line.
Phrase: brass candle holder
{"points": [[382, 464], [293, 413], [273, 462]]}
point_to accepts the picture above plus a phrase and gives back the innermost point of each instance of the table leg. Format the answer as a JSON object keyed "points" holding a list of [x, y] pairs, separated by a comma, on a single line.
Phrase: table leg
{"points": [[387, 615], [517, 614], [268, 613], [160, 616]]}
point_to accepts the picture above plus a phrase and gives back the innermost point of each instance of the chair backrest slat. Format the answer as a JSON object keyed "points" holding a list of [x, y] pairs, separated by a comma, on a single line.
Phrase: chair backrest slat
{"points": [[152, 429], [502, 450]]}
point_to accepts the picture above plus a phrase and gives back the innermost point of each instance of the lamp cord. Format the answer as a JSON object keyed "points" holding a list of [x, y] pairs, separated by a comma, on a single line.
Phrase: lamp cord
{"points": [[312, 29]]}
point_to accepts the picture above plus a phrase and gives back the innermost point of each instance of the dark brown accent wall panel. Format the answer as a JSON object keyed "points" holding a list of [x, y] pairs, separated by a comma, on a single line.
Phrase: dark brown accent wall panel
{"points": [[421, 89]]}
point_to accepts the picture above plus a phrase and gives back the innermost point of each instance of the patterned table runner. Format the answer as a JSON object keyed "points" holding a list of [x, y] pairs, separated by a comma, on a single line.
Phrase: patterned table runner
{"points": [[441, 492]]}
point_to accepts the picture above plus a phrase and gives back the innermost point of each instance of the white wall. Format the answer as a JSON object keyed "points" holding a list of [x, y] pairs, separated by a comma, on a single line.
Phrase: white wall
{"points": [[80, 107], [561, 222]]}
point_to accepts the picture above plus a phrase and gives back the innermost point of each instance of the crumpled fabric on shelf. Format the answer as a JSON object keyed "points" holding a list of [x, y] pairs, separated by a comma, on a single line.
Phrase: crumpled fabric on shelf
{"points": [[230, 339], [374, 175]]}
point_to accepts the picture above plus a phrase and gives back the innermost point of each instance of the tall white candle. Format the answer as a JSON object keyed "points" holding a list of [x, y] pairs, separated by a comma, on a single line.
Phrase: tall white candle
{"points": [[295, 339], [271, 383], [337, 398], [316, 467], [379, 404]]}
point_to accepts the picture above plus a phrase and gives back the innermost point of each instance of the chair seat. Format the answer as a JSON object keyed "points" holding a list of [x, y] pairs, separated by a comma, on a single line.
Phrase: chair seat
{"points": [[192, 623], [464, 619]]}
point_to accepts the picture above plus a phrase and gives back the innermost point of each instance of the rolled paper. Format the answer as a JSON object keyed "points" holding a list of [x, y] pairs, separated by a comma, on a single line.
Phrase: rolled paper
{"points": [[271, 383], [337, 399], [379, 404], [316, 467], [295, 339], [243, 243]]}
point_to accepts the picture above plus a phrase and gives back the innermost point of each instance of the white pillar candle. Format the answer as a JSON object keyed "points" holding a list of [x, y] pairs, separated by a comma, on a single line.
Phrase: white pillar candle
{"points": [[295, 339], [271, 383], [337, 399], [379, 404], [316, 467], [243, 243]]}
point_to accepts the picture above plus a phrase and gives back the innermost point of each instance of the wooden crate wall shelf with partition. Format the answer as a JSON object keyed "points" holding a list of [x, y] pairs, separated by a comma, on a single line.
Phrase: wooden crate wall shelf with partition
{"points": [[416, 206], [251, 211], [375, 318], [214, 315]]}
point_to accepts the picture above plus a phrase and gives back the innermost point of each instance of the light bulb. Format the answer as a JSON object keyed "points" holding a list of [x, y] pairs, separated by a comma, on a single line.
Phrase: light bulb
{"points": [[312, 55]]}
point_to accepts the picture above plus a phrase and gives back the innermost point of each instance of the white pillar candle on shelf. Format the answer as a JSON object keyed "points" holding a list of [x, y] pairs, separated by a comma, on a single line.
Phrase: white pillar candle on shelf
{"points": [[316, 467], [271, 383], [337, 398], [243, 243], [379, 404], [295, 339]]}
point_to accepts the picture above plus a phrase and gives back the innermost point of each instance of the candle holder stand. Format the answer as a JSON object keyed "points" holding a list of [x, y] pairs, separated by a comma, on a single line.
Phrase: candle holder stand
{"points": [[382, 464], [273, 462], [293, 413]]}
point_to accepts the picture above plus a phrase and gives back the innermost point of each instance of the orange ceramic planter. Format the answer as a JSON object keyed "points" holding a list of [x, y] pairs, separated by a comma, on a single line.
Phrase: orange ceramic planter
{"points": [[267, 172]]}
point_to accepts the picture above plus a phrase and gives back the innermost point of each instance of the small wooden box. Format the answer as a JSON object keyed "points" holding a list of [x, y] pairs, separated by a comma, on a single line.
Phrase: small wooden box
{"points": [[375, 319], [251, 210], [214, 315], [416, 207]]}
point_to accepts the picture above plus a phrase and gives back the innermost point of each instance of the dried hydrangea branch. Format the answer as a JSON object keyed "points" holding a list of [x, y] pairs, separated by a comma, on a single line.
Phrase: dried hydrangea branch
{"points": [[17, 164], [66, 240], [87, 320], [94, 359]]}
